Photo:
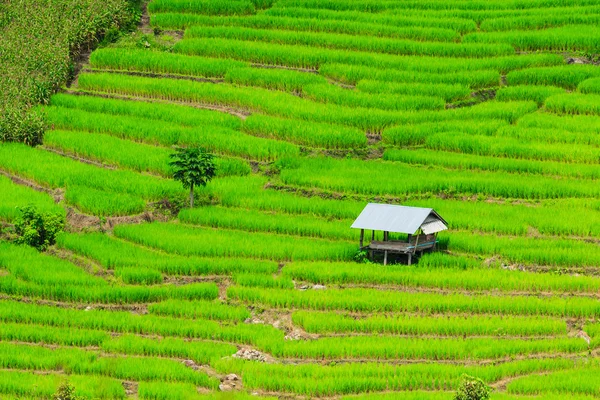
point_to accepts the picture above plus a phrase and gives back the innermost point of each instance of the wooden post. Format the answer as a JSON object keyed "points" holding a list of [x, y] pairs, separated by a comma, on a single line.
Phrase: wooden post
{"points": [[415, 249], [373, 235], [385, 257], [362, 237], [409, 258]]}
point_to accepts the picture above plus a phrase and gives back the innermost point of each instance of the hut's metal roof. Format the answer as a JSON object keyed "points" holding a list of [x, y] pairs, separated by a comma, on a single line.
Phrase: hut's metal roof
{"points": [[400, 219]]}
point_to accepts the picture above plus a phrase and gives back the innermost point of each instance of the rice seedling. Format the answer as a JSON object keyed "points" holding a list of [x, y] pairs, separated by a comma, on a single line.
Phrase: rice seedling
{"points": [[590, 86], [564, 38], [336, 95], [539, 94], [13, 196], [449, 93], [221, 140], [353, 42], [573, 123], [199, 309], [43, 334], [427, 275], [581, 380], [127, 322], [376, 178], [167, 390], [176, 114], [115, 253], [259, 221], [351, 74], [263, 21], [211, 7], [394, 348], [139, 275], [186, 240], [103, 203], [200, 352], [447, 325], [369, 300], [314, 57], [348, 378], [312, 134], [550, 18], [566, 76], [161, 62], [54, 171], [276, 79], [459, 25], [574, 103], [263, 281], [488, 163]]}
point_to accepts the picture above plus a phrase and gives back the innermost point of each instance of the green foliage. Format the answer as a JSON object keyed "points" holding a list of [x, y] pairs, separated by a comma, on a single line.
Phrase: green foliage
{"points": [[38, 229], [472, 388], [66, 391], [192, 166]]}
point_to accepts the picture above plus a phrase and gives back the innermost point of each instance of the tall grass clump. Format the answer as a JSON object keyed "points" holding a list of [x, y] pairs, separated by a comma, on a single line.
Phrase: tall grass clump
{"points": [[574, 103], [590, 86], [212, 7], [566, 76], [539, 94], [277, 79], [199, 309], [447, 92]]}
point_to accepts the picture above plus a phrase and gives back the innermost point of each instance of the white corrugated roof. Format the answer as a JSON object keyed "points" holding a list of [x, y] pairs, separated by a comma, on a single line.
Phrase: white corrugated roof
{"points": [[400, 219]]}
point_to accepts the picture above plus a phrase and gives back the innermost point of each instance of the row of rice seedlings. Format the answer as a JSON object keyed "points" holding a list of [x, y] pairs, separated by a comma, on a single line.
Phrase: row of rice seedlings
{"points": [[456, 24], [162, 62], [441, 278], [263, 281], [260, 221], [187, 240], [313, 57], [539, 94], [127, 322], [125, 294], [533, 251], [102, 202], [550, 18], [360, 377], [417, 134], [449, 93], [488, 163], [333, 94], [277, 79], [495, 395], [20, 356], [173, 113], [199, 309], [590, 86], [207, 7], [312, 134], [111, 253], [287, 105], [167, 391], [33, 333], [13, 196], [573, 123], [541, 135], [395, 348], [263, 21], [200, 352], [23, 384], [369, 300], [566, 76], [524, 147], [376, 178], [351, 74], [24, 262], [574, 103], [447, 325], [139, 275], [564, 38], [214, 138], [352, 42], [54, 171], [127, 154], [582, 381]]}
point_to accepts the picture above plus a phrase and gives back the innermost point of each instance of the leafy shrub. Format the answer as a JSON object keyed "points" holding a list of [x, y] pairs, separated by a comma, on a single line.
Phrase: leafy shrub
{"points": [[38, 229], [472, 388]]}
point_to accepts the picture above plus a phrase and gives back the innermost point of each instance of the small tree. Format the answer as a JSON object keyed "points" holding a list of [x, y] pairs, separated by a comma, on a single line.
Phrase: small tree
{"points": [[65, 392], [37, 229], [192, 166], [472, 388]]}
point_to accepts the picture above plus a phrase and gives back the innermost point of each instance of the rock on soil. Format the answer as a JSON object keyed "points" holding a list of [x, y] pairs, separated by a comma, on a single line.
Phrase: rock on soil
{"points": [[249, 354], [230, 382]]}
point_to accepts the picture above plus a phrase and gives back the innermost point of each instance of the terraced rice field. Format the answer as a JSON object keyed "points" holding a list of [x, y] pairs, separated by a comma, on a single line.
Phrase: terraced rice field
{"points": [[487, 111]]}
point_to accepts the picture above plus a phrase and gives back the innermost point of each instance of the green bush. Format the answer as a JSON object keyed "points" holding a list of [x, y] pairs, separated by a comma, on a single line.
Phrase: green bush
{"points": [[38, 229], [472, 388]]}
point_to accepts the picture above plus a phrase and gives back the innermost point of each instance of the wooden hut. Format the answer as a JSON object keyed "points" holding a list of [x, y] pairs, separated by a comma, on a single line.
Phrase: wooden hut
{"points": [[420, 224]]}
